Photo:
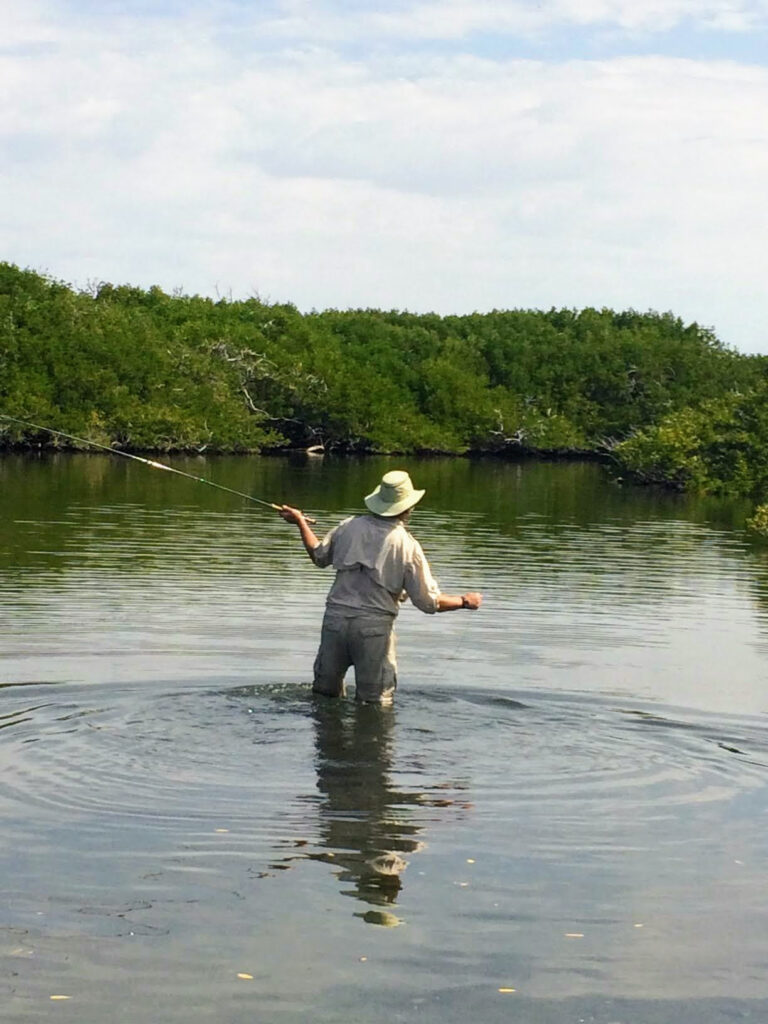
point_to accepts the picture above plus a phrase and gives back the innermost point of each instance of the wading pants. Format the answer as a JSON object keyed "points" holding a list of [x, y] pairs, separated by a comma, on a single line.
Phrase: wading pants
{"points": [[366, 641]]}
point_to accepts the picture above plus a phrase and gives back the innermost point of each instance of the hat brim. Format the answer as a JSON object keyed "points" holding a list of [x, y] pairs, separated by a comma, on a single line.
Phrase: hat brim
{"points": [[379, 507]]}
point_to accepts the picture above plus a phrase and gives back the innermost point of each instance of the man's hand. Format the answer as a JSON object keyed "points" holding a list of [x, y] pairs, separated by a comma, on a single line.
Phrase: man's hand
{"points": [[453, 602], [291, 515], [297, 517]]}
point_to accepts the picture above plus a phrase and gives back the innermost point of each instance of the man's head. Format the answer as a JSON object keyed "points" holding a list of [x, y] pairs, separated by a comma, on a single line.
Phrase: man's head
{"points": [[394, 496]]}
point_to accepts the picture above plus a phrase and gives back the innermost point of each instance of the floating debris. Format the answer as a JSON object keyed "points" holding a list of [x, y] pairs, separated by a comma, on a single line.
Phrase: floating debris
{"points": [[245, 977], [59, 999], [222, 830], [507, 990], [574, 935]]}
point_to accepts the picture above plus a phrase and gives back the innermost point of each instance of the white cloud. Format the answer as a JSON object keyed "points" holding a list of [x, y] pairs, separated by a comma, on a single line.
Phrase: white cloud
{"points": [[449, 20], [162, 153]]}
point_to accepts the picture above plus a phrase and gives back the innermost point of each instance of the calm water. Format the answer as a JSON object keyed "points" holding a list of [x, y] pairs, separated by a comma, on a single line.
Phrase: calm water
{"points": [[568, 800]]}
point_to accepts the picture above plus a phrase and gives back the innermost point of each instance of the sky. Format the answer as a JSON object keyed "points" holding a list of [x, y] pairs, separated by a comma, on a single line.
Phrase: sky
{"points": [[430, 155]]}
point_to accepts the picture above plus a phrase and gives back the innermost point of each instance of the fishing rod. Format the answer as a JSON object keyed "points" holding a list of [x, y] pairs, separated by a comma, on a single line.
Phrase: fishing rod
{"points": [[147, 462]]}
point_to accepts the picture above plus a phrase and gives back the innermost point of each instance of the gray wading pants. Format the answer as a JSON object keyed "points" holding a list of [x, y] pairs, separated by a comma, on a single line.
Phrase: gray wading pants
{"points": [[364, 640]]}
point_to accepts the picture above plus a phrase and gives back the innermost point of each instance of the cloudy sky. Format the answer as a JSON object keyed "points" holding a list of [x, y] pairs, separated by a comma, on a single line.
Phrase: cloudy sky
{"points": [[447, 155]]}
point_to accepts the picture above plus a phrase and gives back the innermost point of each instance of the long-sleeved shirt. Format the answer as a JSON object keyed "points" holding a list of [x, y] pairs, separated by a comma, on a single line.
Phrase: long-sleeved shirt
{"points": [[378, 564]]}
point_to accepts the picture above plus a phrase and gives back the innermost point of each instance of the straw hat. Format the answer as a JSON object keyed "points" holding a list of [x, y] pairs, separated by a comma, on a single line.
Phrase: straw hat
{"points": [[394, 494]]}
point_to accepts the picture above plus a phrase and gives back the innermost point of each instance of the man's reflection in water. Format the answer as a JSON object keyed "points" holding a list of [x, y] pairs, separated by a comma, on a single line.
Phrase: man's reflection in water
{"points": [[364, 823]]}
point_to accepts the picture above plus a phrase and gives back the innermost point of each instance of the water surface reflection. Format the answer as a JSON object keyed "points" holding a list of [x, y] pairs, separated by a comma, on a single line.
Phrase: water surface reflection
{"points": [[364, 820], [568, 798]]}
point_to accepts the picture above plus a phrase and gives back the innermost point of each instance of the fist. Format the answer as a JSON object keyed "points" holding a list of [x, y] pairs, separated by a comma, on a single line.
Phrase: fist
{"points": [[290, 515]]}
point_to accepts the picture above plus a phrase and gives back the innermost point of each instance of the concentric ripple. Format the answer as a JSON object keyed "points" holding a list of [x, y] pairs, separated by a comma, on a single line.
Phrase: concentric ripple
{"points": [[248, 760]]}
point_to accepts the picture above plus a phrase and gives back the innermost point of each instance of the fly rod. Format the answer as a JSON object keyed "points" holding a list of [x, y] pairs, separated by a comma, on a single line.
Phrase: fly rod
{"points": [[147, 462]]}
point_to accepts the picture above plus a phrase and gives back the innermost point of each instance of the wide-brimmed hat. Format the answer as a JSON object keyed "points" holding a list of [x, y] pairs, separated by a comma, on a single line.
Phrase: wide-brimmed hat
{"points": [[395, 494]]}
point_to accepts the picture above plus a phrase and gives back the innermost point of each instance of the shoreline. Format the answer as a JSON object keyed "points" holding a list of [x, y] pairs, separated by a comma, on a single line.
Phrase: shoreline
{"points": [[511, 453]]}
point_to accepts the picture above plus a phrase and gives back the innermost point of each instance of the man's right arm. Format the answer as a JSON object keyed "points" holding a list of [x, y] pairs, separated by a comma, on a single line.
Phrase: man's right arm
{"points": [[422, 588], [452, 602]]}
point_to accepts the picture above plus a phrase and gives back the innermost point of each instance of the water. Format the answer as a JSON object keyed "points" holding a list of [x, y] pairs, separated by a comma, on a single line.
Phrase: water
{"points": [[567, 800]]}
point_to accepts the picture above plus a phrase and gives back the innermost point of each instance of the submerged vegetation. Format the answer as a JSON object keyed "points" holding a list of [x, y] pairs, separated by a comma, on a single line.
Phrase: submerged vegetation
{"points": [[144, 370]]}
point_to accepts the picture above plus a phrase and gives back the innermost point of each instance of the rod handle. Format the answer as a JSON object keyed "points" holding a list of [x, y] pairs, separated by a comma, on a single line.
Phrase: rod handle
{"points": [[309, 519]]}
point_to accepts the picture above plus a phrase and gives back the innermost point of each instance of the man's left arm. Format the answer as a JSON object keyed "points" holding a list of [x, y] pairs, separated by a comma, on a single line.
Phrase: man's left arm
{"points": [[296, 516]]}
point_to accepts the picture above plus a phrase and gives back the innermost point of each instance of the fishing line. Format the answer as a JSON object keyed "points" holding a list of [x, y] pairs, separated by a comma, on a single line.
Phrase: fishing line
{"points": [[460, 637], [147, 462]]}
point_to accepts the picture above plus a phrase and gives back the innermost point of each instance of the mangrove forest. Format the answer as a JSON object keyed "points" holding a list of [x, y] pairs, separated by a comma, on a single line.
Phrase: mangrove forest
{"points": [[142, 370]]}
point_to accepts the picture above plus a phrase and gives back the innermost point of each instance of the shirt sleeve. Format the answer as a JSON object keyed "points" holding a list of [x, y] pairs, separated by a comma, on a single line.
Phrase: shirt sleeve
{"points": [[420, 585], [322, 555]]}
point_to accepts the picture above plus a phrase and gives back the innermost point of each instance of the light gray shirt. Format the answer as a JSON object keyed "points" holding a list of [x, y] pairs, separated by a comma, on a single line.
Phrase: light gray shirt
{"points": [[378, 564]]}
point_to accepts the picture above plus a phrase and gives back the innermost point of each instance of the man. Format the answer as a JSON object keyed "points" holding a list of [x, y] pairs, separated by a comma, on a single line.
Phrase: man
{"points": [[378, 565]]}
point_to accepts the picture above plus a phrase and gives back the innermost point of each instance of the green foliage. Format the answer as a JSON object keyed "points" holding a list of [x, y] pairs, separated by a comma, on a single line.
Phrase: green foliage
{"points": [[757, 523], [142, 369], [719, 448], [122, 367]]}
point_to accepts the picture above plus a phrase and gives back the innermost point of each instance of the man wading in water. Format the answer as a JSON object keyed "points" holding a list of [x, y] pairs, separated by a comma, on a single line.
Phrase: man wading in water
{"points": [[378, 565]]}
